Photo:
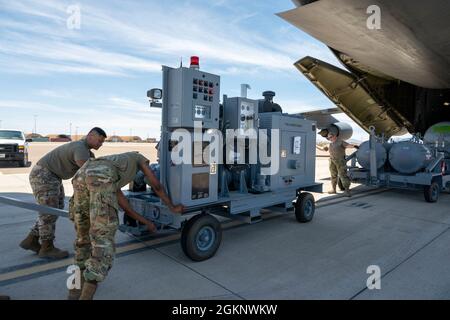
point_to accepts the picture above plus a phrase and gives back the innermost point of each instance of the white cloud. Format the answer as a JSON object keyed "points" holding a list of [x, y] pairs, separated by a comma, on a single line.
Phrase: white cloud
{"points": [[52, 94], [126, 103], [36, 106], [37, 68], [119, 39], [40, 9], [134, 38], [133, 107], [72, 58]]}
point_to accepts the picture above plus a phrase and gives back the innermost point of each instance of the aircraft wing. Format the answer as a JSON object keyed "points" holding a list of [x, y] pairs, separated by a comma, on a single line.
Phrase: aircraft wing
{"points": [[412, 44]]}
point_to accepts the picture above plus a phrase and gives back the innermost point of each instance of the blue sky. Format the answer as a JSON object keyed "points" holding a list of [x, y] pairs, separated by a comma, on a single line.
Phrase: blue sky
{"points": [[98, 75]]}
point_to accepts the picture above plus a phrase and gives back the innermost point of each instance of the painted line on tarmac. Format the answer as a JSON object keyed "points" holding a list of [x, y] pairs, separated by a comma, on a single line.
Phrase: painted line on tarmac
{"points": [[57, 265], [41, 262], [42, 269], [38, 269]]}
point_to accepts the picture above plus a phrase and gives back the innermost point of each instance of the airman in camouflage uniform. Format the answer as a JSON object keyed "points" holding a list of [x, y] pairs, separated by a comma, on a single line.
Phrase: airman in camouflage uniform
{"points": [[337, 164], [47, 190], [94, 211], [338, 168], [46, 182]]}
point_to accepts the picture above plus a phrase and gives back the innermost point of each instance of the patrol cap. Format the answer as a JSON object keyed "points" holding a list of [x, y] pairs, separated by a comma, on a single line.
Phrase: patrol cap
{"points": [[324, 133]]}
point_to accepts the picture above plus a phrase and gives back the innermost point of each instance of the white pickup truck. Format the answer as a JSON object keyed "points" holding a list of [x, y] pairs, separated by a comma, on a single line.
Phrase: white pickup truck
{"points": [[13, 147]]}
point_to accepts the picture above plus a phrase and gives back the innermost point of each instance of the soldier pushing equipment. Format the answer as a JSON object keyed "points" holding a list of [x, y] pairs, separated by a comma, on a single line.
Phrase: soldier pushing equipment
{"points": [[46, 182], [94, 210]]}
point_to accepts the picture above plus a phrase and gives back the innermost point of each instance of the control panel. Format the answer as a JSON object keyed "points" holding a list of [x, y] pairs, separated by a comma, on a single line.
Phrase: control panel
{"points": [[192, 95], [240, 113]]}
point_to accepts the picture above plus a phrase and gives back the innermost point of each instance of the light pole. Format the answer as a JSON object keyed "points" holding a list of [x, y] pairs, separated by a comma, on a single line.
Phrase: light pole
{"points": [[70, 130], [76, 133]]}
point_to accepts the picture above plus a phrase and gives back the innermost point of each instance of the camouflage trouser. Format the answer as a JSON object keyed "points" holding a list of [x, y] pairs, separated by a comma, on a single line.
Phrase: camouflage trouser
{"points": [[93, 208], [338, 167], [49, 191]]}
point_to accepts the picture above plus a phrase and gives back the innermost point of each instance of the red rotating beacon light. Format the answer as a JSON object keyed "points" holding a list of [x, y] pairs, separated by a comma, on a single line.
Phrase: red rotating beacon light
{"points": [[195, 62]]}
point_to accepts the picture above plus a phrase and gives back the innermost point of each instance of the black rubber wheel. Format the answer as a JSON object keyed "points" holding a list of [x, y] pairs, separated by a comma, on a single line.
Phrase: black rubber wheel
{"points": [[201, 237], [432, 192], [305, 207], [340, 185]]}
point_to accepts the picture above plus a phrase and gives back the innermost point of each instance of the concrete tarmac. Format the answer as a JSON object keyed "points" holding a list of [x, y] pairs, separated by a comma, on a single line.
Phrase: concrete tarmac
{"points": [[277, 258]]}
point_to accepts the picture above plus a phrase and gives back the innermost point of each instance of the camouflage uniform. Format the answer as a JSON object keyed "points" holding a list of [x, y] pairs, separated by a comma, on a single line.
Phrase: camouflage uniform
{"points": [[46, 182], [94, 211], [338, 166], [48, 190]]}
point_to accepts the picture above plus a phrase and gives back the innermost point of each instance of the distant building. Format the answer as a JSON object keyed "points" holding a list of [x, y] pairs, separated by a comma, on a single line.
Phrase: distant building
{"points": [[114, 139], [33, 135], [36, 137], [58, 138], [124, 139]]}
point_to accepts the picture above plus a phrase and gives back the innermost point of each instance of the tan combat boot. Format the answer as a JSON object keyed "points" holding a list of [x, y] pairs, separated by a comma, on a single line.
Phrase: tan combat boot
{"points": [[88, 291], [74, 294], [31, 242], [48, 250]]}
